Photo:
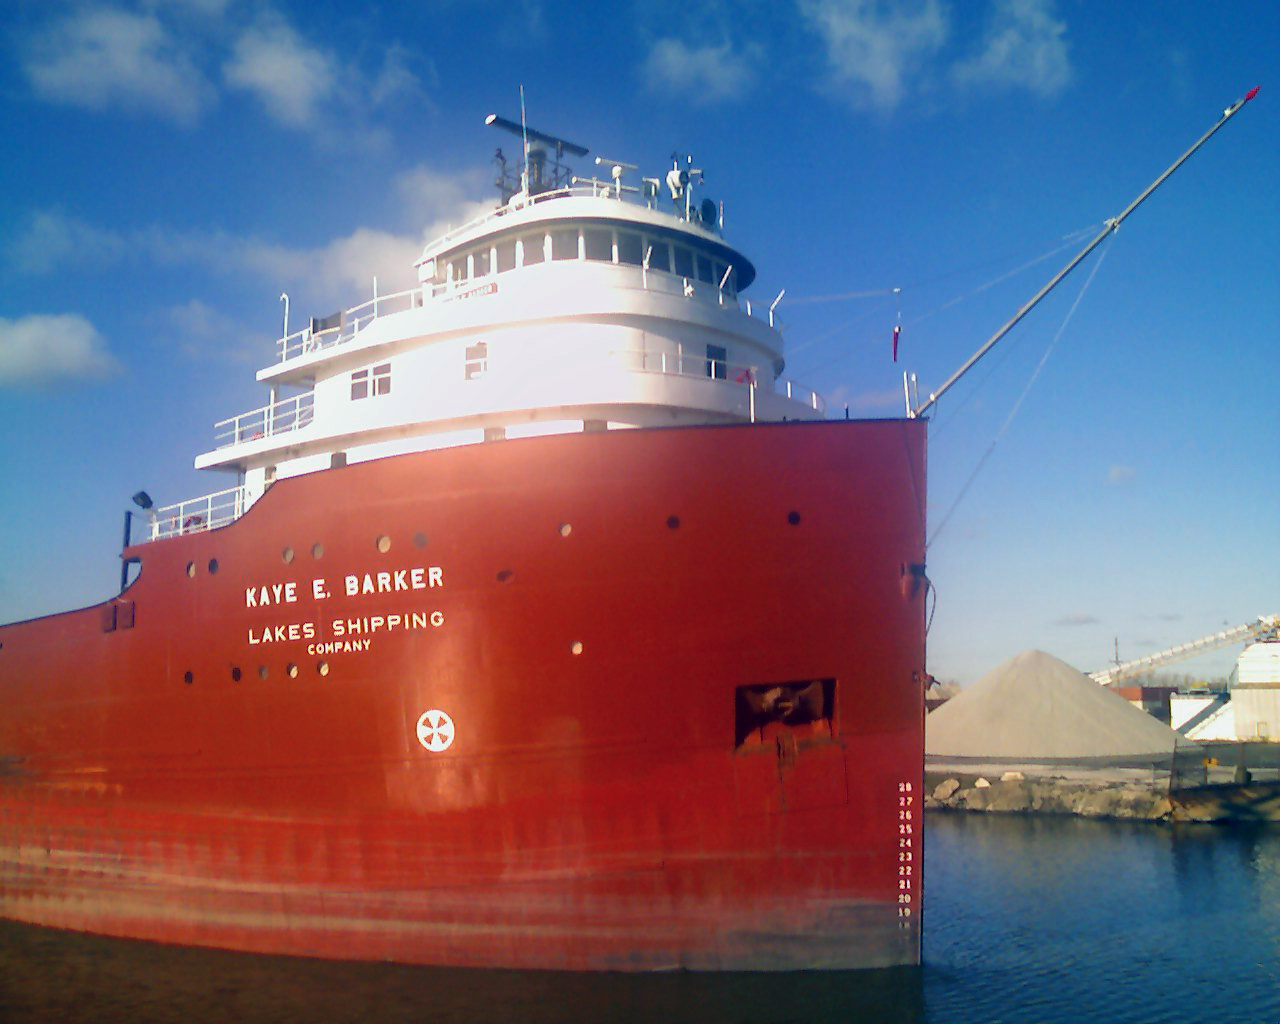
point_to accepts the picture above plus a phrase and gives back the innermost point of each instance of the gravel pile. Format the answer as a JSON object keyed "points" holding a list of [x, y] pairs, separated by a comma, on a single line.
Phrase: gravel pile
{"points": [[1035, 709]]}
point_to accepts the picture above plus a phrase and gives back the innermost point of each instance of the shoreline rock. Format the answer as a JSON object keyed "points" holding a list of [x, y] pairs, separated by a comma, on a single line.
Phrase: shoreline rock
{"points": [[1134, 801]]}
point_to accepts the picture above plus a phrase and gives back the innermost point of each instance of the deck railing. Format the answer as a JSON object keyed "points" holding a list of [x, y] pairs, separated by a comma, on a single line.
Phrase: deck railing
{"points": [[197, 514], [289, 414]]}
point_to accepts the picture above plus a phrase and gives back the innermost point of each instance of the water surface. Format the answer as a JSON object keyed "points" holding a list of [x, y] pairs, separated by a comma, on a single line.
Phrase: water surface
{"points": [[1026, 920]]}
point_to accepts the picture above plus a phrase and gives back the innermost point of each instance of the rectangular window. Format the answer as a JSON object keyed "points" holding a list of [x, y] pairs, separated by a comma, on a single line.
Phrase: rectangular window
{"points": [[717, 362], [598, 243], [684, 261], [564, 245], [629, 249], [477, 361], [366, 383], [481, 260], [704, 269], [506, 255], [533, 247], [660, 257]]}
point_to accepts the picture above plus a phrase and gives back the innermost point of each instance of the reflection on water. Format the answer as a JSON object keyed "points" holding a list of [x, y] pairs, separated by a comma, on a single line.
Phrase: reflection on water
{"points": [[1049, 920], [49, 976]]}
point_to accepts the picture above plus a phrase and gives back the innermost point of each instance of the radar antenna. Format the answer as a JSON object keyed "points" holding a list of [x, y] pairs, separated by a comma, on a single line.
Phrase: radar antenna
{"points": [[535, 175]]}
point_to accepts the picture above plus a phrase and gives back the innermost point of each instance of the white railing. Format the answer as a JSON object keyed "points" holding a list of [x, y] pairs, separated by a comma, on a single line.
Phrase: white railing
{"points": [[196, 515], [685, 364], [350, 323], [290, 414]]}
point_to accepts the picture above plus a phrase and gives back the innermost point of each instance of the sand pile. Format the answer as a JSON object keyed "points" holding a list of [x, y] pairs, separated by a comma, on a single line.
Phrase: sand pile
{"points": [[1035, 708]]}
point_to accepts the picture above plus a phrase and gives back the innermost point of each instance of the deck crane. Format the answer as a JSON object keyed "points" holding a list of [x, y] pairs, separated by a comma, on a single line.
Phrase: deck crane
{"points": [[1265, 627]]}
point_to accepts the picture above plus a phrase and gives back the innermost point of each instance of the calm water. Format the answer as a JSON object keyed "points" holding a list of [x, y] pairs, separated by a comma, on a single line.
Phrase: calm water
{"points": [[1026, 921]]}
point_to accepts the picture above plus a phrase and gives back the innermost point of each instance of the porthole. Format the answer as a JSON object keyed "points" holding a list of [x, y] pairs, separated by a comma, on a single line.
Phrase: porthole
{"points": [[235, 674], [566, 529], [577, 647], [673, 522], [384, 544], [287, 556], [188, 678], [213, 566], [317, 551], [506, 576], [262, 672], [323, 668], [191, 569], [292, 670], [793, 517], [419, 540]]}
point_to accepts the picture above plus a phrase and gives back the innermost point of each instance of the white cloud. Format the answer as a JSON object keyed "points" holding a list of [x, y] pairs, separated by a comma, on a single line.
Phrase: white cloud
{"points": [[50, 239], [1023, 47], [101, 58], [46, 350], [874, 46], [290, 78], [703, 75], [430, 204]]}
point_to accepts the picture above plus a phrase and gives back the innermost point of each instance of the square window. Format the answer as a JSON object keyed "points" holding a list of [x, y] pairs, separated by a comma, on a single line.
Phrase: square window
{"points": [[359, 385], [717, 362]]}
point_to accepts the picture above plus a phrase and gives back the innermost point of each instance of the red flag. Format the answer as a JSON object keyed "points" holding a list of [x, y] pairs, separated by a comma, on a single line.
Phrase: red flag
{"points": [[896, 331]]}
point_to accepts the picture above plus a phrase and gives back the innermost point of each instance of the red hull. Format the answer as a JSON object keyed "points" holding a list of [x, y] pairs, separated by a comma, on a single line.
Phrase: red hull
{"points": [[241, 758]]}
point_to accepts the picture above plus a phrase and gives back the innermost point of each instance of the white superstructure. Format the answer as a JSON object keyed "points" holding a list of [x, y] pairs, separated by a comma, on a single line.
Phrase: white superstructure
{"points": [[575, 305]]}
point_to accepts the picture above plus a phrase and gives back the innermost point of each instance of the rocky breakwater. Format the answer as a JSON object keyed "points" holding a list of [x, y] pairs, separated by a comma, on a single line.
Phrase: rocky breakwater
{"points": [[1013, 792]]}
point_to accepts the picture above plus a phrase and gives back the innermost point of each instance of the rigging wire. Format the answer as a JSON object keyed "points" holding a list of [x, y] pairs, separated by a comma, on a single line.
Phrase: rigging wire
{"points": [[895, 294], [1021, 398]]}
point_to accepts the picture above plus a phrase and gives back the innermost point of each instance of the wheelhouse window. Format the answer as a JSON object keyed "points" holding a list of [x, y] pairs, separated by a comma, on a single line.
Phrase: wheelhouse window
{"points": [[371, 382], [481, 260], [660, 256], [564, 245], [534, 249], [683, 262], [717, 362], [598, 244], [630, 251], [506, 252], [477, 362], [704, 268]]}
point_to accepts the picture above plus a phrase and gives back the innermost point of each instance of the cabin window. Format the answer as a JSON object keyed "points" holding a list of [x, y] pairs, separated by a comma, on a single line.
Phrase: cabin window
{"points": [[630, 250], [717, 362], [477, 363], [367, 382], [458, 269], [660, 257], [564, 245], [533, 247], [480, 259], [598, 244], [683, 261], [704, 268], [506, 252]]}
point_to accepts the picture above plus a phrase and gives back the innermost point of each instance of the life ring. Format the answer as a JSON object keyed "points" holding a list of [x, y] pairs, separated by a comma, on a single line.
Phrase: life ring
{"points": [[192, 523]]}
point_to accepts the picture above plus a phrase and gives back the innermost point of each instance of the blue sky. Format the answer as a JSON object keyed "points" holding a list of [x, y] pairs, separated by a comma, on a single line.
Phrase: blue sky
{"points": [[174, 166]]}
